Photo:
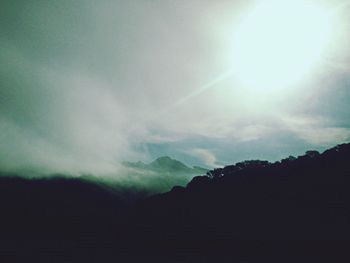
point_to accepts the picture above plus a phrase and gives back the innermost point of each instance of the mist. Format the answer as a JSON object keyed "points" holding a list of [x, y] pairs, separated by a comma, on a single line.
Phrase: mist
{"points": [[86, 85]]}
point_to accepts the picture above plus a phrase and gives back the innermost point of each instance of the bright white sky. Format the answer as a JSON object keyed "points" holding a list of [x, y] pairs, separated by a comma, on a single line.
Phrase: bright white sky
{"points": [[87, 84]]}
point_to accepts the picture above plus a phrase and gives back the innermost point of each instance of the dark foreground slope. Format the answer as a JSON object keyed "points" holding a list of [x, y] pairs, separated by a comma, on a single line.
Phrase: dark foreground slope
{"points": [[213, 219], [52, 217], [298, 198]]}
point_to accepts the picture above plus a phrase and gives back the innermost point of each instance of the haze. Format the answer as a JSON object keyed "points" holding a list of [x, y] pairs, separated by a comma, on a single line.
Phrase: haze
{"points": [[85, 85]]}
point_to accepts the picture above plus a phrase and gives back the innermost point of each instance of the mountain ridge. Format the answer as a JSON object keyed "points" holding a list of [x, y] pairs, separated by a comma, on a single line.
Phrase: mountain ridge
{"points": [[166, 164]]}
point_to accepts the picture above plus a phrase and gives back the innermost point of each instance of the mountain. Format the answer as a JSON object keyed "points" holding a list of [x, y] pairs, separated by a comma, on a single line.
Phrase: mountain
{"points": [[160, 175], [166, 165], [216, 217]]}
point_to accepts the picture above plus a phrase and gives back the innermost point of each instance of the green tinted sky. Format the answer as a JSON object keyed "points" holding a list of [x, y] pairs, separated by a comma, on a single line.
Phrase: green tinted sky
{"points": [[87, 84]]}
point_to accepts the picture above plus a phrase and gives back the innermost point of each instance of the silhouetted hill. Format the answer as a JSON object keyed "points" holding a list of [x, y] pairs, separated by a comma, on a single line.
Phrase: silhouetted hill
{"points": [[306, 197], [57, 219], [55, 196], [209, 220]]}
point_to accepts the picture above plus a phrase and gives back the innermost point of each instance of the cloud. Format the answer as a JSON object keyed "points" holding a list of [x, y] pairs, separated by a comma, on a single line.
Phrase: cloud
{"points": [[316, 130], [86, 85], [205, 156]]}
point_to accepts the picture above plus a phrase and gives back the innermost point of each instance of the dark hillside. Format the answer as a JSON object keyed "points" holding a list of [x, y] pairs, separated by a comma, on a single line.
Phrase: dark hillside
{"points": [[215, 218], [298, 198]]}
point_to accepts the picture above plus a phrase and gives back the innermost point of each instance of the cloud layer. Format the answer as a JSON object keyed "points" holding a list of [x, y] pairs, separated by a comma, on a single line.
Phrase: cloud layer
{"points": [[86, 85]]}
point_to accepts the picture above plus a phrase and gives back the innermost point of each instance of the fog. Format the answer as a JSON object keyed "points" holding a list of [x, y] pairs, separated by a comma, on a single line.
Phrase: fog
{"points": [[85, 85]]}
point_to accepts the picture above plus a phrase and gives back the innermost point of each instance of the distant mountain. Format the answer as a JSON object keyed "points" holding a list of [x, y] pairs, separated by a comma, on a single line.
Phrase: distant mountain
{"points": [[160, 175], [166, 165]]}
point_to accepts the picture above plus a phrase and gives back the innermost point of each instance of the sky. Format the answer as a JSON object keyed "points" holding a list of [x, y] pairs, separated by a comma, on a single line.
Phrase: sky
{"points": [[86, 85]]}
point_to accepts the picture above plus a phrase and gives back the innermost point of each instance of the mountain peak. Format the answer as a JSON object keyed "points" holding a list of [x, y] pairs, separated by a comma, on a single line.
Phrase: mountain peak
{"points": [[163, 159], [165, 162]]}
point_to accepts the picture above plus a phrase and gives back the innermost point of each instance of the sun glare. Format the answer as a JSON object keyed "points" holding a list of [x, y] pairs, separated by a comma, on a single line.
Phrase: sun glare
{"points": [[279, 42]]}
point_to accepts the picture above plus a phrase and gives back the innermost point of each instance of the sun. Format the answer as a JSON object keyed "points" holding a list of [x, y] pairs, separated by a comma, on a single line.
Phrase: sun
{"points": [[279, 42]]}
